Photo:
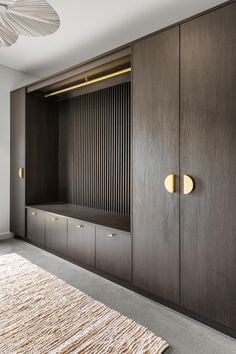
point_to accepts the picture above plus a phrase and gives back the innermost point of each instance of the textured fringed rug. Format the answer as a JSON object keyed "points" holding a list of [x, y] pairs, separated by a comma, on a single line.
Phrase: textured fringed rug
{"points": [[40, 313]]}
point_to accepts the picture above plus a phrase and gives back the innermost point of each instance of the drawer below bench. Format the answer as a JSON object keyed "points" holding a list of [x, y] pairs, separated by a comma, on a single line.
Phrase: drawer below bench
{"points": [[113, 252], [104, 248]]}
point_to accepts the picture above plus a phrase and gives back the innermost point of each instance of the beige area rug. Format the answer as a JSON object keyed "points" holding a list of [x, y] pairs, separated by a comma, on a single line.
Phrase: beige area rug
{"points": [[40, 313]]}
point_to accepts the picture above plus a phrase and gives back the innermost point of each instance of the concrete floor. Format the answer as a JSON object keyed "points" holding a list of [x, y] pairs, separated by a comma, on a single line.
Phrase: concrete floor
{"points": [[185, 335]]}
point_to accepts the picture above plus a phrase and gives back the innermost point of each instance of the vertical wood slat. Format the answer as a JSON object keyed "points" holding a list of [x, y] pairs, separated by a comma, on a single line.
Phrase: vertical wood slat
{"points": [[94, 149]]}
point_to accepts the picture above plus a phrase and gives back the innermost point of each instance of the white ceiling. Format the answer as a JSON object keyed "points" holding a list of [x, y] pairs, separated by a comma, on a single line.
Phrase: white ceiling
{"points": [[91, 27]]}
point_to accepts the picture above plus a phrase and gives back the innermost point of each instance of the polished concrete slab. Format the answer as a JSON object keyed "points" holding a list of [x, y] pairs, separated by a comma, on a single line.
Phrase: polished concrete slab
{"points": [[185, 335]]}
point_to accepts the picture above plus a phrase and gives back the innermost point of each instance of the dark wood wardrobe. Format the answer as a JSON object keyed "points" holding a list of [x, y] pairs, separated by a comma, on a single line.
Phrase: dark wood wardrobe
{"points": [[156, 155], [184, 123], [17, 164], [133, 176]]}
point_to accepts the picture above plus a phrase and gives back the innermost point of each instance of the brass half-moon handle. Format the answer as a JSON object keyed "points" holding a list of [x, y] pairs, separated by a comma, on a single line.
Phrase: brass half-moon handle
{"points": [[21, 172], [170, 183], [188, 184]]}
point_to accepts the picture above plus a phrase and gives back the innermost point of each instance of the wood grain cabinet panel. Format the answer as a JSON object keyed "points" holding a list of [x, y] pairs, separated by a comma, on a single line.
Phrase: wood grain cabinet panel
{"points": [[81, 241], [208, 154], [42, 150], [17, 194], [56, 233], [155, 156], [35, 226], [113, 252]]}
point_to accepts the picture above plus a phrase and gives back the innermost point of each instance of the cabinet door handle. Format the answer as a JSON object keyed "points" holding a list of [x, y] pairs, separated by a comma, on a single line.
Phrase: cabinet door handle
{"points": [[111, 235], [34, 214], [188, 184], [54, 219], [21, 172], [170, 183], [79, 226]]}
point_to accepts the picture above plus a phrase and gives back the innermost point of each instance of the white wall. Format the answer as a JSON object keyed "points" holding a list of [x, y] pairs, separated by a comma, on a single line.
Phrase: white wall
{"points": [[9, 80]]}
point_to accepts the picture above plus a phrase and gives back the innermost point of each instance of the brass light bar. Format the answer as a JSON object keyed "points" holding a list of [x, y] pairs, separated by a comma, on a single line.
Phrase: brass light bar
{"points": [[102, 78]]}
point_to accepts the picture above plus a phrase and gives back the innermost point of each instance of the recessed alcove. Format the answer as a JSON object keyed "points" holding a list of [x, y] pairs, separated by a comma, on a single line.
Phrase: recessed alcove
{"points": [[78, 139]]}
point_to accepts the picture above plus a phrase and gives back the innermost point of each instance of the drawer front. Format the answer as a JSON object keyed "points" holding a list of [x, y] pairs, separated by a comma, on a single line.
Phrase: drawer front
{"points": [[56, 233], [113, 252], [81, 242], [35, 226]]}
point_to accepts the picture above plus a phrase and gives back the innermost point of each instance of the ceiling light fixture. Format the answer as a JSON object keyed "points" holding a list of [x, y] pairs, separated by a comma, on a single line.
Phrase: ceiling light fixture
{"points": [[32, 18]]}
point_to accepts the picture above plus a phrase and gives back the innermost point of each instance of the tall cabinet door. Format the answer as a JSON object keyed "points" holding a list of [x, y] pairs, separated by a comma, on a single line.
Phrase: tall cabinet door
{"points": [[17, 198], [155, 156], [208, 155]]}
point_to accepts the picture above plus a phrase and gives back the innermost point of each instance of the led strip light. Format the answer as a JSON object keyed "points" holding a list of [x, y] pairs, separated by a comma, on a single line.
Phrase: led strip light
{"points": [[86, 83]]}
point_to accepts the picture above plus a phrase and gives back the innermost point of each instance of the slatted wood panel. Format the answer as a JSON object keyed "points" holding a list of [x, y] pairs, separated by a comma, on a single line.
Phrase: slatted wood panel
{"points": [[94, 149]]}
